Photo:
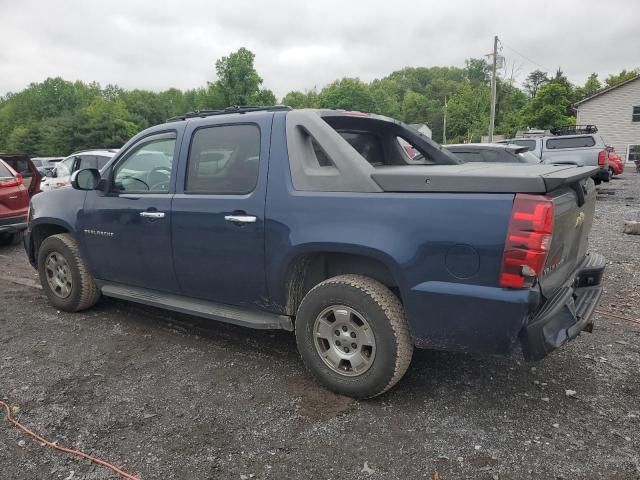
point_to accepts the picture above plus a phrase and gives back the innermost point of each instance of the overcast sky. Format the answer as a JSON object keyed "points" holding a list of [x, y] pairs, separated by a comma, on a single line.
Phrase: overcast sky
{"points": [[301, 44]]}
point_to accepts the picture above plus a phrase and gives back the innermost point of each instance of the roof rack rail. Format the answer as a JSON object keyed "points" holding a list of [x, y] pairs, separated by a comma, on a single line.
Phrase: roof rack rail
{"points": [[573, 129], [232, 109]]}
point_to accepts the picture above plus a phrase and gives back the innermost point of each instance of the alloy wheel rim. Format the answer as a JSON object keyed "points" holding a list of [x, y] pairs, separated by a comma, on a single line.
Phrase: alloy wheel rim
{"points": [[58, 275], [344, 340]]}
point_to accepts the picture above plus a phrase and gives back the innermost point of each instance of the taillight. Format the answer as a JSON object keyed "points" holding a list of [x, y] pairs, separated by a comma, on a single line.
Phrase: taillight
{"points": [[12, 182], [603, 156], [528, 240]]}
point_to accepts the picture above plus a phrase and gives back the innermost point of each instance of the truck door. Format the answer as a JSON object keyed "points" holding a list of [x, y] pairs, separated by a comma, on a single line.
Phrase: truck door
{"points": [[126, 229], [218, 226]]}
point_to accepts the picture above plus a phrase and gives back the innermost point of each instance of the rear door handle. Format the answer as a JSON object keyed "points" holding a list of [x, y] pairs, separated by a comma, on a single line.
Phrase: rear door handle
{"points": [[152, 214], [240, 218]]}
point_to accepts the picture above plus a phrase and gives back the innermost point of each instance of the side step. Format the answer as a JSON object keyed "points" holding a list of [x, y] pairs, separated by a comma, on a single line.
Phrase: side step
{"points": [[200, 308]]}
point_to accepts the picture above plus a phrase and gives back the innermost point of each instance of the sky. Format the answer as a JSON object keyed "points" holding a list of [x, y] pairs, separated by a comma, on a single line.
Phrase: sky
{"points": [[300, 45]]}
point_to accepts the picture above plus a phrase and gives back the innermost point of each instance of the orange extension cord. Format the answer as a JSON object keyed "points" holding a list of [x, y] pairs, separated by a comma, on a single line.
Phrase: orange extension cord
{"points": [[617, 316], [49, 444]]}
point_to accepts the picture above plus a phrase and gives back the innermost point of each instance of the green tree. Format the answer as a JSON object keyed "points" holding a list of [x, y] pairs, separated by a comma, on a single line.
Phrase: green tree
{"points": [[105, 124], [549, 107], [591, 86], [534, 81], [623, 76], [238, 81], [468, 114], [477, 71], [24, 139], [297, 99], [347, 94]]}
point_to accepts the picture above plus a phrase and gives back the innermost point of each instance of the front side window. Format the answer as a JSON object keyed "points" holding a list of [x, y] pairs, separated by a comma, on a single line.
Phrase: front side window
{"points": [[224, 160], [635, 117], [147, 167]]}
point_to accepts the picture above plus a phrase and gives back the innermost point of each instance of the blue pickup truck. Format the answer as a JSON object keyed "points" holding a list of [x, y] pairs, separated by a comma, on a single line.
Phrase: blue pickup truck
{"points": [[319, 222]]}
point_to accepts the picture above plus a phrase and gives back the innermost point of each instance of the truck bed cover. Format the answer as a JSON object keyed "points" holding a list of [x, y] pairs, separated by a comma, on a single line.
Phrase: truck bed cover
{"points": [[478, 178]]}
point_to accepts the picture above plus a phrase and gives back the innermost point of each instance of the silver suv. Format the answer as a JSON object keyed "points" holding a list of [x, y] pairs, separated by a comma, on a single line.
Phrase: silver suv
{"points": [[576, 145]]}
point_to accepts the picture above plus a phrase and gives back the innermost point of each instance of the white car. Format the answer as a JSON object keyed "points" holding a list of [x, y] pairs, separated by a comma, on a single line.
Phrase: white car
{"points": [[60, 176]]}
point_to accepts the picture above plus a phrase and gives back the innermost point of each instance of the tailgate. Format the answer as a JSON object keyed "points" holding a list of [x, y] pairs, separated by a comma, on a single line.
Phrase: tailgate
{"points": [[574, 205]]}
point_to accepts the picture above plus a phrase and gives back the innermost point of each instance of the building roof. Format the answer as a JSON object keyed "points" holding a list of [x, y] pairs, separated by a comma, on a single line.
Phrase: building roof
{"points": [[607, 90]]}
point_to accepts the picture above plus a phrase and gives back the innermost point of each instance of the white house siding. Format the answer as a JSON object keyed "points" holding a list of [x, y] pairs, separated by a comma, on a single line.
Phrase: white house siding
{"points": [[611, 112]]}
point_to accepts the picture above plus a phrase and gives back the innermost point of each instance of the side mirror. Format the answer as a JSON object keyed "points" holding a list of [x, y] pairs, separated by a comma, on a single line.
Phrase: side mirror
{"points": [[85, 179]]}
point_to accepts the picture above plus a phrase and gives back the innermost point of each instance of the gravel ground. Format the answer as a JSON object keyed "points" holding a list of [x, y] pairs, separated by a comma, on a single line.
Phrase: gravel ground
{"points": [[168, 396]]}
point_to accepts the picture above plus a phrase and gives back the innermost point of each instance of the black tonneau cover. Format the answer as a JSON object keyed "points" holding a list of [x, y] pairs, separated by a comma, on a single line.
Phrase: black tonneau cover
{"points": [[479, 177]]}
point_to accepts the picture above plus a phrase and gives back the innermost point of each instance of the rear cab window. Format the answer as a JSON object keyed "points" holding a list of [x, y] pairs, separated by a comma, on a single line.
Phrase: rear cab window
{"points": [[384, 143], [584, 141]]}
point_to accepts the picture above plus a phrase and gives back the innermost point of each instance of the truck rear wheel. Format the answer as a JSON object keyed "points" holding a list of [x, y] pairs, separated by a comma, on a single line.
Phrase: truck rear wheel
{"points": [[64, 275], [353, 337]]}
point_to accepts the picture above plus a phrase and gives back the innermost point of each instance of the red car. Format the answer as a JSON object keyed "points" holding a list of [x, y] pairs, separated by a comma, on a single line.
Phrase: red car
{"points": [[14, 205], [616, 165], [22, 164]]}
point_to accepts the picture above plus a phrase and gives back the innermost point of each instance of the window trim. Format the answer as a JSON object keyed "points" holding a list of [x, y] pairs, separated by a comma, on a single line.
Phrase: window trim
{"points": [[167, 134], [635, 114], [185, 191], [629, 145]]}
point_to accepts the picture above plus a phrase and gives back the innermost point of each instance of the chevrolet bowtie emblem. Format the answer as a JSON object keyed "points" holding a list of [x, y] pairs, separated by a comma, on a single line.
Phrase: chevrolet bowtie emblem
{"points": [[579, 219]]}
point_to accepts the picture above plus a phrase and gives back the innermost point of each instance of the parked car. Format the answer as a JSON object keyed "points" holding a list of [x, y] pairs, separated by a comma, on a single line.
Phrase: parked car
{"points": [[493, 153], [22, 164], [44, 164], [616, 165], [362, 253], [14, 203], [576, 144], [60, 175]]}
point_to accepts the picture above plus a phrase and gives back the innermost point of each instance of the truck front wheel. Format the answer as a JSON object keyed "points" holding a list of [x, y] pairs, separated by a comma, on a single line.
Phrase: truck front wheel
{"points": [[353, 337], [64, 275]]}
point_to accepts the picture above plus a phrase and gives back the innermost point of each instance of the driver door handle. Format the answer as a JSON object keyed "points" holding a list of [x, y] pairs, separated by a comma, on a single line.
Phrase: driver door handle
{"points": [[152, 214], [240, 218]]}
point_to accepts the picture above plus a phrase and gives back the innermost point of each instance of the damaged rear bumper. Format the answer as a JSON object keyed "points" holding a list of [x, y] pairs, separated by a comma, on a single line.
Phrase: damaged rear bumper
{"points": [[566, 314]]}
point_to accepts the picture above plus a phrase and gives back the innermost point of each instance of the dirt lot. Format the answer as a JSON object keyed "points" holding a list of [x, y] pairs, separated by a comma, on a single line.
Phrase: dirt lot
{"points": [[167, 396]]}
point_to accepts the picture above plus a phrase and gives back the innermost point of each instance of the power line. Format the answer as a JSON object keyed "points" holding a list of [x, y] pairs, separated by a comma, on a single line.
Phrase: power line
{"points": [[525, 57]]}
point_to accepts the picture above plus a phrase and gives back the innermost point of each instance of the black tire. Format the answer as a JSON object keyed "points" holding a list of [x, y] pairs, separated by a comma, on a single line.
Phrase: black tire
{"points": [[383, 313], [83, 291]]}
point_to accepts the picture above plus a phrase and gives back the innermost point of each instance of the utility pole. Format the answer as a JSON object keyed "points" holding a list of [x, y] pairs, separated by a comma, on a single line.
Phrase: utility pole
{"points": [[492, 119], [444, 123]]}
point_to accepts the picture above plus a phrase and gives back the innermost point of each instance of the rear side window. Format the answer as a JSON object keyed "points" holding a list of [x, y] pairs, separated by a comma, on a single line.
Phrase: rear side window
{"points": [[224, 160], [5, 172], [570, 142]]}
